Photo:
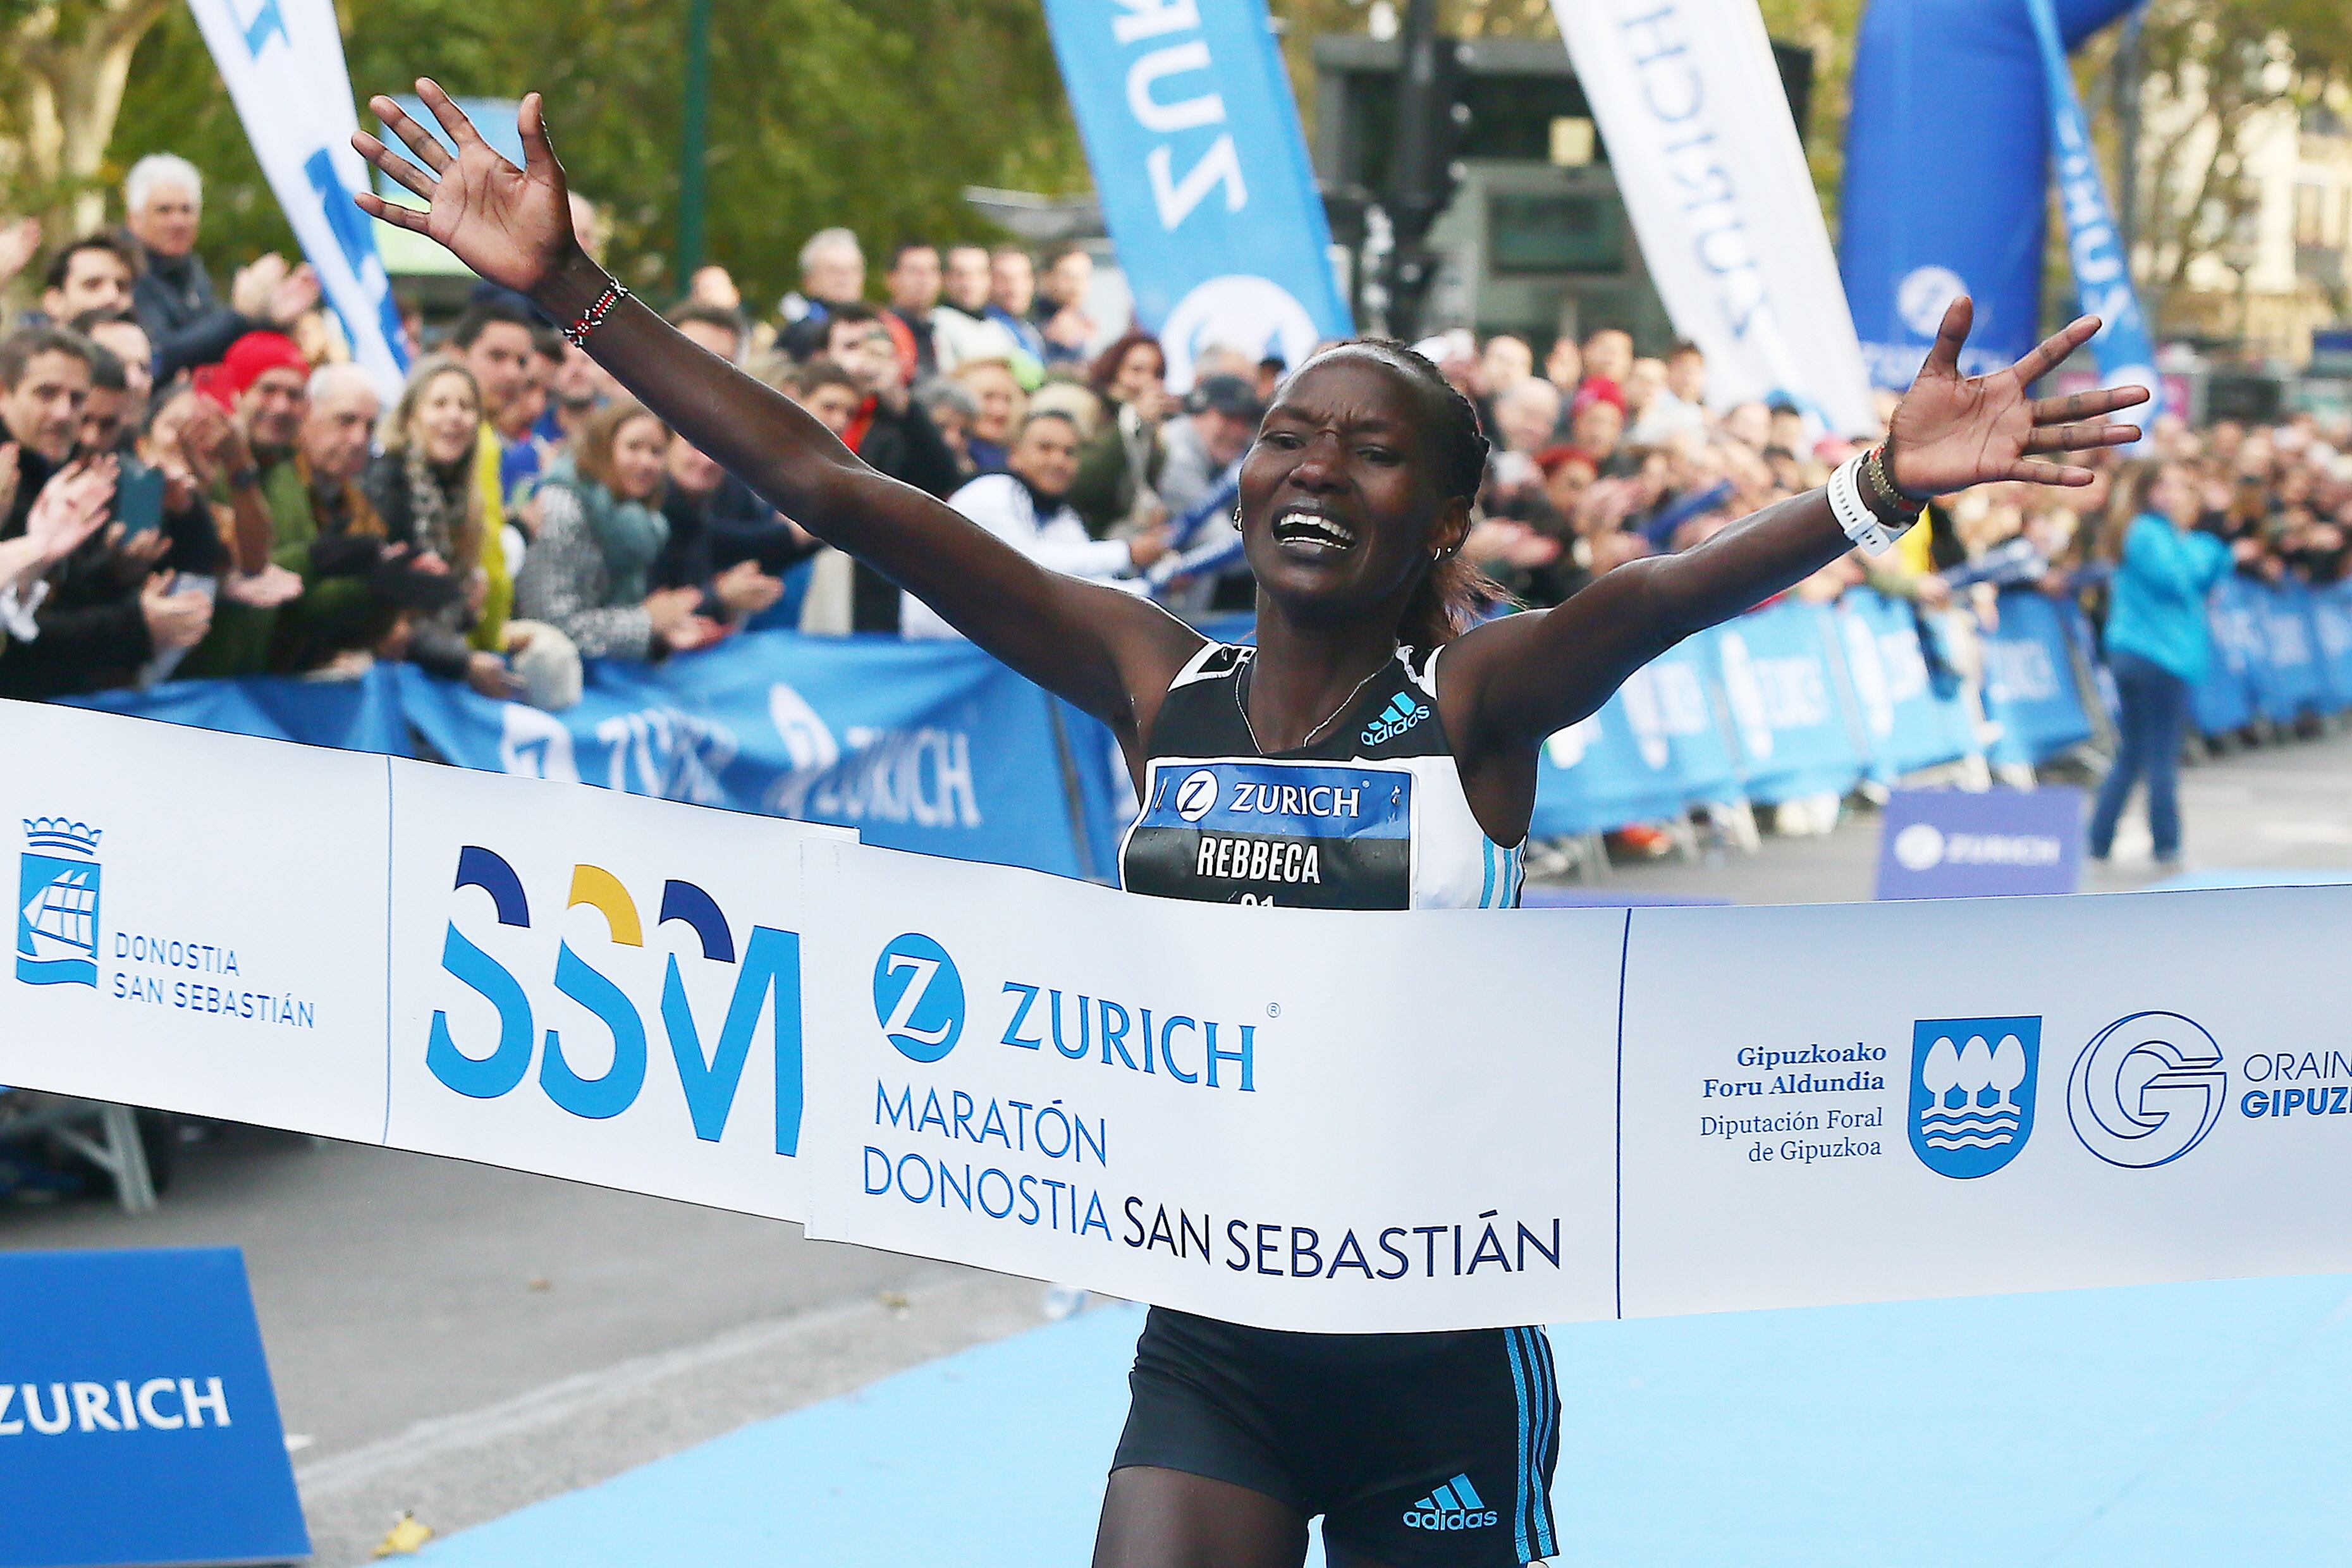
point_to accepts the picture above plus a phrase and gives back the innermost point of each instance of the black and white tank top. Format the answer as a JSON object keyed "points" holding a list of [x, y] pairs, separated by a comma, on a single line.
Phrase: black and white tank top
{"points": [[1371, 817]]}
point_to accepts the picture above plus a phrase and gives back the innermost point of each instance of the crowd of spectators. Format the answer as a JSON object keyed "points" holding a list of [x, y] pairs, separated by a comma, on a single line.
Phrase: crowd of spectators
{"points": [[513, 511]]}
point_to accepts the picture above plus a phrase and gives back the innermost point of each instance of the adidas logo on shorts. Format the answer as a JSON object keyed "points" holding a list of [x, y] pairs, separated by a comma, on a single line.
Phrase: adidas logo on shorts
{"points": [[1453, 1506]]}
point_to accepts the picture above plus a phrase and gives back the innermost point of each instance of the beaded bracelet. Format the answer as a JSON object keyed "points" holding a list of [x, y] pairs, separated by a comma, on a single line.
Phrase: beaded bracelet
{"points": [[1879, 491], [576, 335]]}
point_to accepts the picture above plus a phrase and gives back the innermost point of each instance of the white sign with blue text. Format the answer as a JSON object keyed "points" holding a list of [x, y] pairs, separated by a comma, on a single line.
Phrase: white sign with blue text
{"points": [[199, 920], [602, 987], [1291, 1117], [1871, 1102], [1294, 1118]]}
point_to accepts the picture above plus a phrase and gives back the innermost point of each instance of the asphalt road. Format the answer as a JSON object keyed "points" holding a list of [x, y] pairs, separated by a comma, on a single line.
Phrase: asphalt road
{"points": [[461, 1341]]}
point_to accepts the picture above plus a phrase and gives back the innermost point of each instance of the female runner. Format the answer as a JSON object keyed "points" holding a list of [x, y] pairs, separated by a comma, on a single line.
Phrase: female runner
{"points": [[1417, 1449]]}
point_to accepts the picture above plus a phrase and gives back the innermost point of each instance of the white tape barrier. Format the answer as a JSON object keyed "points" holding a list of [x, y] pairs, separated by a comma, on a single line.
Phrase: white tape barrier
{"points": [[1297, 1119]]}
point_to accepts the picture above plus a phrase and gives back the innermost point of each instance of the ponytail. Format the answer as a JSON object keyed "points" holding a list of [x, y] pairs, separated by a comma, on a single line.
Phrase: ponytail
{"points": [[1454, 595]]}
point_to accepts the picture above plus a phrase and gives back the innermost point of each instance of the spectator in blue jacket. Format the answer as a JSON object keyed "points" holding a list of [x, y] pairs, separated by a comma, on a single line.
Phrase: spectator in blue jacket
{"points": [[2157, 641]]}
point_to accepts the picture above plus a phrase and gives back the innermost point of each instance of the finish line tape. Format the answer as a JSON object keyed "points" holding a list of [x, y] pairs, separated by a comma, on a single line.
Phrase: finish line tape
{"points": [[1297, 1119]]}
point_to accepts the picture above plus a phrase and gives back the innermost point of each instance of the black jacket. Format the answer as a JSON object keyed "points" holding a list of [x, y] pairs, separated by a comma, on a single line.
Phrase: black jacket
{"points": [[730, 525], [93, 634], [184, 318]]}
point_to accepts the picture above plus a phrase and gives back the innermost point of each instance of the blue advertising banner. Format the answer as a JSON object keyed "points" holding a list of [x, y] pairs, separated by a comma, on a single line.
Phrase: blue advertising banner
{"points": [[1908, 720], [361, 715], [1201, 166], [2029, 682], [1962, 844], [1939, 200], [1657, 746], [137, 1421], [2279, 651], [2102, 284], [2331, 627], [923, 745], [2293, 683], [1793, 736], [2226, 699]]}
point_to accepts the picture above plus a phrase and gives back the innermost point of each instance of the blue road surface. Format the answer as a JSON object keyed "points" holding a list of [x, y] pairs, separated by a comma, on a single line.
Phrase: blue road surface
{"points": [[2173, 1425]]}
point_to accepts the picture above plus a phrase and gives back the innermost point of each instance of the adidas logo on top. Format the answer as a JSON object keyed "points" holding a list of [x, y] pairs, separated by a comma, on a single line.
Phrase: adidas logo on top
{"points": [[1402, 714], [1453, 1506]]}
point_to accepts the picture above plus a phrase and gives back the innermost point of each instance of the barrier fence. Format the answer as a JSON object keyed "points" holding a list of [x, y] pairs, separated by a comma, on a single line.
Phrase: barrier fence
{"points": [[935, 747]]}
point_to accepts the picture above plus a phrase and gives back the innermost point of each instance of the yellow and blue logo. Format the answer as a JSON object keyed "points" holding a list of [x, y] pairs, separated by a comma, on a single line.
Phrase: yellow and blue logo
{"points": [[768, 970], [57, 903]]}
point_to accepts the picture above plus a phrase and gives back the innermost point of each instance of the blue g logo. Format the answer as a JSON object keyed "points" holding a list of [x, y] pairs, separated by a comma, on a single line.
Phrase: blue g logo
{"points": [[2147, 1089], [919, 998]]}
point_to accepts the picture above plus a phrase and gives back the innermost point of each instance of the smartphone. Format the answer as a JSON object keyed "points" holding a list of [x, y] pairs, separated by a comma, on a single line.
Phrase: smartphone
{"points": [[139, 498]]}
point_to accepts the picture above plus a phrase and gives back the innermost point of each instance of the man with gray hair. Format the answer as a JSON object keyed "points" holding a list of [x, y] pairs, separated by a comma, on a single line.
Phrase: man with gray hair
{"points": [[833, 272], [163, 200]]}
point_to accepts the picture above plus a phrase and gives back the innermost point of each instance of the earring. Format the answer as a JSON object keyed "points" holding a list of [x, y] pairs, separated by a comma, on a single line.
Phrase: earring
{"points": [[1237, 514]]}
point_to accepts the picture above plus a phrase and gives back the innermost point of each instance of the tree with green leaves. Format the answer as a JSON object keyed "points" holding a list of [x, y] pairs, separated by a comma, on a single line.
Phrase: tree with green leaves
{"points": [[873, 114]]}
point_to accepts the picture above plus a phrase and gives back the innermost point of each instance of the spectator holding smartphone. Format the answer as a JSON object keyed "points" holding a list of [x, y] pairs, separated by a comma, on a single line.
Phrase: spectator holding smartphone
{"points": [[105, 612]]}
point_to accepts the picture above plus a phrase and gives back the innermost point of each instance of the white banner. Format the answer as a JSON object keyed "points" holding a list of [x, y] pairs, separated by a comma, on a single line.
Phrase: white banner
{"points": [[1707, 159], [1288, 1116], [1298, 1119], [282, 61]]}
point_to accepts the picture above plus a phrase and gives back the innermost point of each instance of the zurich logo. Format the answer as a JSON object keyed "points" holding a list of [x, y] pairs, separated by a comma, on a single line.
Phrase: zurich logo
{"points": [[1196, 795], [1973, 1092], [1919, 847], [2147, 1089], [1924, 295], [919, 998], [57, 903]]}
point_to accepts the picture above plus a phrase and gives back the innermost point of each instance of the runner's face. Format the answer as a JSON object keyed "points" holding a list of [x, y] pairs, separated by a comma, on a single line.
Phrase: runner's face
{"points": [[1340, 510]]}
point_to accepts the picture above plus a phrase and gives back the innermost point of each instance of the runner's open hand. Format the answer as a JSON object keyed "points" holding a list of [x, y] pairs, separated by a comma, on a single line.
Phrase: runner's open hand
{"points": [[512, 226], [1952, 431]]}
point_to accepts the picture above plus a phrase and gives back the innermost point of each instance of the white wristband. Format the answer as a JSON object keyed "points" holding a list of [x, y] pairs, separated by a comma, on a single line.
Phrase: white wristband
{"points": [[1860, 524]]}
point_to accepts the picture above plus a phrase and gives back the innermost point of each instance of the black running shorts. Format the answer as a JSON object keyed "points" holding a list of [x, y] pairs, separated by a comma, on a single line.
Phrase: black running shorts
{"points": [[1417, 1449]]}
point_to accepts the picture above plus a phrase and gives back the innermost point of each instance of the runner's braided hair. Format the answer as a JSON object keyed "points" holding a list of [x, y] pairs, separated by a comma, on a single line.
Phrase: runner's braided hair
{"points": [[1454, 595]]}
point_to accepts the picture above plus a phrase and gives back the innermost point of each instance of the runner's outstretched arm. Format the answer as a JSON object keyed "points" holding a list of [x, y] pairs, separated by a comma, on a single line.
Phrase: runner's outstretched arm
{"points": [[1531, 675], [1090, 643]]}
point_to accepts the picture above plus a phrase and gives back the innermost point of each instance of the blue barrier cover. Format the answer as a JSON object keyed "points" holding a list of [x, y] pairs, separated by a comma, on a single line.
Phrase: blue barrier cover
{"points": [[2226, 699], [361, 715], [922, 745], [1791, 728], [1907, 722], [2292, 684], [2279, 652], [139, 1425], [2030, 688], [2331, 626], [1656, 746]]}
